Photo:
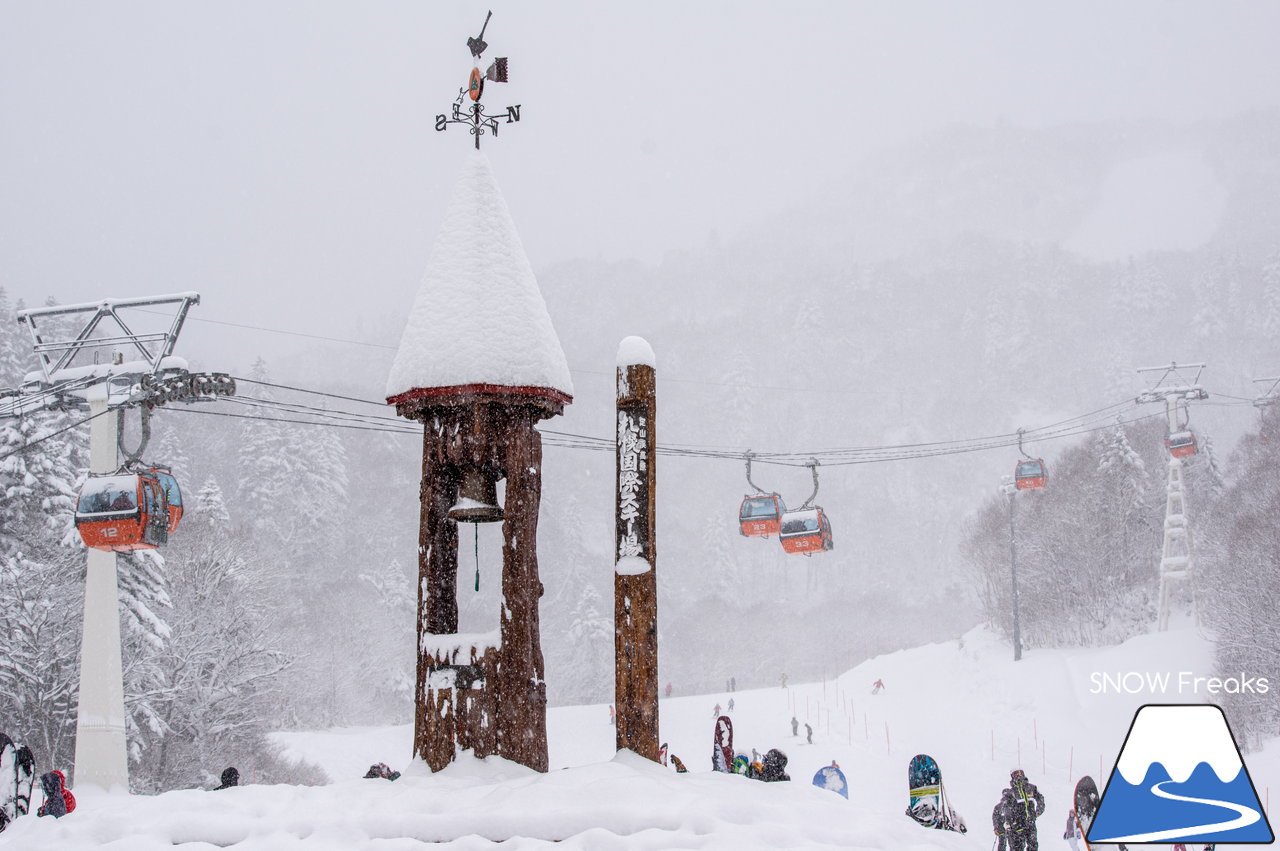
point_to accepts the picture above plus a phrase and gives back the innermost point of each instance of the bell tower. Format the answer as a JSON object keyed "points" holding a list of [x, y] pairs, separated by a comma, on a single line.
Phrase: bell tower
{"points": [[479, 366]]}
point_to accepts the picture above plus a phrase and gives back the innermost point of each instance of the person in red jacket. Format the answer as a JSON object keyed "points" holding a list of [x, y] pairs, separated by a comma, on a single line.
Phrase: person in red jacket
{"points": [[58, 800]]}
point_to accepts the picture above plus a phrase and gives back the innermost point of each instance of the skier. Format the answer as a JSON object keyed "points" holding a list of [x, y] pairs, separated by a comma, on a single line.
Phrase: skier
{"points": [[774, 767], [731, 704], [668, 689], [58, 800], [1072, 832], [877, 687], [808, 733], [784, 680], [1024, 804], [716, 712], [230, 777], [795, 726]]}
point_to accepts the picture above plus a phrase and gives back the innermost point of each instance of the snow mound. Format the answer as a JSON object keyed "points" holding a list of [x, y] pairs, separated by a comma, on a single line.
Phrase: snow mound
{"points": [[965, 702]]}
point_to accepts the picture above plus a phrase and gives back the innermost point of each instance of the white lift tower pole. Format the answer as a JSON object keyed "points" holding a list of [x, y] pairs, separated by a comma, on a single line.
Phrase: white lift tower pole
{"points": [[153, 376]]}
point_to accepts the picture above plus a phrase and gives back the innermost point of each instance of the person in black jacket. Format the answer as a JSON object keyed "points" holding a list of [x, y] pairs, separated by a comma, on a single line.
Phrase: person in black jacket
{"points": [[1000, 821], [1023, 804]]}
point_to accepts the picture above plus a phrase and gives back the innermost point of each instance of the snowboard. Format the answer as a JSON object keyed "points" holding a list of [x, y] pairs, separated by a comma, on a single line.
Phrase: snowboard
{"points": [[26, 775], [722, 748], [8, 781], [831, 777], [741, 764], [1086, 800], [928, 805]]}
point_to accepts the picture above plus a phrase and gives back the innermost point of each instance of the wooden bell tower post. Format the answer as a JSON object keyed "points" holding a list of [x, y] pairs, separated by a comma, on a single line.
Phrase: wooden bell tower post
{"points": [[479, 366]]}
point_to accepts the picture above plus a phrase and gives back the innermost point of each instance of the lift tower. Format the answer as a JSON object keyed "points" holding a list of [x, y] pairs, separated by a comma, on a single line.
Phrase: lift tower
{"points": [[151, 376], [1174, 384]]}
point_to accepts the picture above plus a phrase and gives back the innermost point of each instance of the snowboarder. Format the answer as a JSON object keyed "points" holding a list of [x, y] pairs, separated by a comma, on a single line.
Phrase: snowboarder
{"points": [[731, 704], [795, 726], [58, 800], [381, 770], [1072, 833], [774, 767], [877, 687], [668, 689], [784, 680], [716, 712], [1024, 804], [808, 733], [230, 777]]}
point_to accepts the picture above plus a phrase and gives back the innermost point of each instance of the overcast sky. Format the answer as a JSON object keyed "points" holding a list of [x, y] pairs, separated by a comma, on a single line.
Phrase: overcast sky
{"points": [[280, 157]]}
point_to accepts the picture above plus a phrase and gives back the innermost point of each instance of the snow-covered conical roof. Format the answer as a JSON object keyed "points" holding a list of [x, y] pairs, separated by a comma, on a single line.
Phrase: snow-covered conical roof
{"points": [[479, 324]]}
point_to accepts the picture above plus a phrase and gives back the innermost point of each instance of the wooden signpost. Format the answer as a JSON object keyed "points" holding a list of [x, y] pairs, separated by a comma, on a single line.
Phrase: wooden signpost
{"points": [[635, 583]]}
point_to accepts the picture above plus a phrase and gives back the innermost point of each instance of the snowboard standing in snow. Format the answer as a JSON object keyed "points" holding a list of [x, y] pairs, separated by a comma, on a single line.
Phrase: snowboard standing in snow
{"points": [[722, 749], [831, 777], [928, 797], [8, 781], [26, 771], [1086, 798]]}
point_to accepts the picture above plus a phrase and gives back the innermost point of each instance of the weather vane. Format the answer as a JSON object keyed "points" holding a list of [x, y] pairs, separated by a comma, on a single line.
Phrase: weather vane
{"points": [[474, 114]]}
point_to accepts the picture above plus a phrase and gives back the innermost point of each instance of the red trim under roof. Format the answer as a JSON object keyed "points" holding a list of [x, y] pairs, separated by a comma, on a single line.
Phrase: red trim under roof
{"points": [[548, 394]]}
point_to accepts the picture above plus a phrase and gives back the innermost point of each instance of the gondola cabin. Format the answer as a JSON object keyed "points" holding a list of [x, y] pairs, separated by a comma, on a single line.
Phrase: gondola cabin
{"points": [[806, 531], [1030, 474], [1181, 444], [122, 512], [760, 515], [172, 496]]}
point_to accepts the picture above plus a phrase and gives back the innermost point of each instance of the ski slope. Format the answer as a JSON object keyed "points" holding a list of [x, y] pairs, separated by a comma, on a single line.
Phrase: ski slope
{"points": [[964, 701]]}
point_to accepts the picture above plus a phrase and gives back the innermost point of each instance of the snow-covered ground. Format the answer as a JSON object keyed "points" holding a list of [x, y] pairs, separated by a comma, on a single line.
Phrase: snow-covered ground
{"points": [[965, 702]]}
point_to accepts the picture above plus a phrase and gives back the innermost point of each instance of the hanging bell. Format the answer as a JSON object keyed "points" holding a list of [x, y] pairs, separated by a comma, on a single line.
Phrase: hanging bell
{"points": [[477, 497]]}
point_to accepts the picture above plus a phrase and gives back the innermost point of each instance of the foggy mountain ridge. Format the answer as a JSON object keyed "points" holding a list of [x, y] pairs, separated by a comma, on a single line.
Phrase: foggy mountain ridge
{"points": [[1016, 184]]}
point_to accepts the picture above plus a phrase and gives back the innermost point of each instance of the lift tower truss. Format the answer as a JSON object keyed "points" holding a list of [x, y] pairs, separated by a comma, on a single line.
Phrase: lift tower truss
{"points": [[1175, 384]]}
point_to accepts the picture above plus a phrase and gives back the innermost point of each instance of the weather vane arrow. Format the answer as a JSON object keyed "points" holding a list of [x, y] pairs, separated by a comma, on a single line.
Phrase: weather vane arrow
{"points": [[474, 115]]}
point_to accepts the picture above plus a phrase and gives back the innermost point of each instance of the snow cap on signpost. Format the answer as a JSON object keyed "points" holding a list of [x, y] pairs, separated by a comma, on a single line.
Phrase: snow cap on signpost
{"points": [[479, 323]]}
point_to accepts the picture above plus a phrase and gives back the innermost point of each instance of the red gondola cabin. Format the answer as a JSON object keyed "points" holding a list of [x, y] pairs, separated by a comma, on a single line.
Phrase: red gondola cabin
{"points": [[1030, 474], [123, 512], [1181, 444], [760, 515], [807, 531]]}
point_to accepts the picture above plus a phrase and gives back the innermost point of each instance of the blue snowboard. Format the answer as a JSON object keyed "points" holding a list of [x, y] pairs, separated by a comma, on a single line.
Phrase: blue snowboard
{"points": [[831, 777]]}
